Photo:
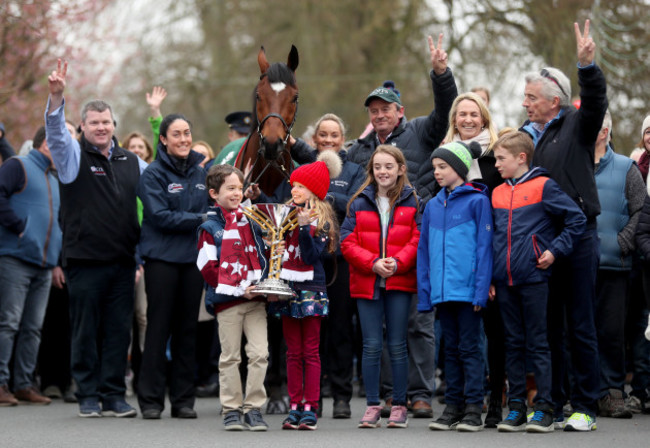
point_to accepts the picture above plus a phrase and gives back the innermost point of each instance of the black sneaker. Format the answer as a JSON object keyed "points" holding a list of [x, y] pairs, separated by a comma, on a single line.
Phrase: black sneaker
{"points": [[541, 421], [516, 419], [341, 409], [448, 420], [254, 421], [494, 415], [471, 421]]}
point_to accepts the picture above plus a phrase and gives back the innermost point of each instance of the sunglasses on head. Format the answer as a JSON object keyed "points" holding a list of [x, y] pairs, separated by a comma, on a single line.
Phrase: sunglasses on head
{"points": [[545, 73]]}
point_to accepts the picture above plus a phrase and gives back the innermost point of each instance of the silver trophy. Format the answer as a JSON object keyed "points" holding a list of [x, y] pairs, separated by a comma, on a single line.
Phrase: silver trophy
{"points": [[276, 219]]}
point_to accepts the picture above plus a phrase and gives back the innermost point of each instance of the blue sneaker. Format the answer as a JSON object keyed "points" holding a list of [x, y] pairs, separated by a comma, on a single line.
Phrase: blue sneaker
{"points": [[118, 408], [232, 421], [254, 421], [308, 420], [89, 408], [293, 420]]}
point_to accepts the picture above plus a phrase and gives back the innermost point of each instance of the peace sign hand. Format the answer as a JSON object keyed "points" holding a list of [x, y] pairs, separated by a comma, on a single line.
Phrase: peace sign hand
{"points": [[56, 80], [586, 45], [438, 56]]}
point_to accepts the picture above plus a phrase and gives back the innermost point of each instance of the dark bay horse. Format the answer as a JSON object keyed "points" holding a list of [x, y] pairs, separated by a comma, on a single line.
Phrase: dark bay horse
{"points": [[265, 158]]}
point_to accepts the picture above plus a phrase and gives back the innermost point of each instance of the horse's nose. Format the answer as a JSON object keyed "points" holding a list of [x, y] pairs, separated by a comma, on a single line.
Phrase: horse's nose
{"points": [[272, 149]]}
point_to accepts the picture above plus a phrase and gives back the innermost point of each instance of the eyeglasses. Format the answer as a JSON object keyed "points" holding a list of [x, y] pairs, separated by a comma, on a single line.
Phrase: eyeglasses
{"points": [[545, 73]]}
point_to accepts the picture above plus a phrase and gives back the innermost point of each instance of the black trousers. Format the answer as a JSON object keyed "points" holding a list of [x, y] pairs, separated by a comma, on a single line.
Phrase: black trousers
{"points": [[173, 300]]}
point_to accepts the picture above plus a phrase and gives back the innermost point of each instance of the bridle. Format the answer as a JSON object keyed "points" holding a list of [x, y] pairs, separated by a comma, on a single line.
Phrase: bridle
{"points": [[287, 128], [260, 152]]}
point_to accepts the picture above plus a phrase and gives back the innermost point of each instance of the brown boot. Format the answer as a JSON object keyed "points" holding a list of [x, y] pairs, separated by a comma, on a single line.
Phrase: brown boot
{"points": [[31, 395], [6, 397]]}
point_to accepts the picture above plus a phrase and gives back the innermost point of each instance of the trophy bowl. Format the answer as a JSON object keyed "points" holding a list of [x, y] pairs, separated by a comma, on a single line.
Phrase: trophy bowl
{"points": [[276, 220]]}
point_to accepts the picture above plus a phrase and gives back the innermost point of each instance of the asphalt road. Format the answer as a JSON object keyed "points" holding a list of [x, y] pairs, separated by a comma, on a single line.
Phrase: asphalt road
{"points": [[57, 425]]}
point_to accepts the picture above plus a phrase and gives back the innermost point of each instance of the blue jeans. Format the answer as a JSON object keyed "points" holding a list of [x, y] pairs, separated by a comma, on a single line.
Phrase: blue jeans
{"points": [[24, 290], [422, 368], [523, 309], [101, 316], [572, 299], [394, 307], [464, 366]]}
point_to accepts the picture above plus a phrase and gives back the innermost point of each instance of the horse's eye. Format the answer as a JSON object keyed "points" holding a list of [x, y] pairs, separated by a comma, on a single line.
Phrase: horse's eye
{"points": [[295, 99]]}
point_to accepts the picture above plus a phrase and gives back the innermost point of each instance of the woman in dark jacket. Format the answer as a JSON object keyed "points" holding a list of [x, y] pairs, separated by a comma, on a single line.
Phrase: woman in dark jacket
{"points": [[175, 201]]}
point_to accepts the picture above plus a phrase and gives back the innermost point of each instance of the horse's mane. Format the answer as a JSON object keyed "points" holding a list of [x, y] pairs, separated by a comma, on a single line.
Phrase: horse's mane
{"points": [[279, 72]]}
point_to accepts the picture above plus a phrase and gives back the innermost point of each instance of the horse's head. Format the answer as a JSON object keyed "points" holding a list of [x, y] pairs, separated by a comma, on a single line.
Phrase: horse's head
{"points": [[276, 103]]}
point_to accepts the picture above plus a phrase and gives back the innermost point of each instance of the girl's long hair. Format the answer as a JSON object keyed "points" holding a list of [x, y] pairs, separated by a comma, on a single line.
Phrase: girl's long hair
{"points": [[327, 222], [402, 180]]}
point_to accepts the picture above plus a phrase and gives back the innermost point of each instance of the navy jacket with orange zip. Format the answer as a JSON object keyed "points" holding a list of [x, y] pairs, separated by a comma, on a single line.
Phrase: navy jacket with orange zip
{"points": [[527, 215]]}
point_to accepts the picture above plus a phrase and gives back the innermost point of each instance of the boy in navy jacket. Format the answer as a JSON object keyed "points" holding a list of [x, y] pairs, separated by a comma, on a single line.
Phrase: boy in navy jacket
{"points": [[232, 260], [527, 209]]}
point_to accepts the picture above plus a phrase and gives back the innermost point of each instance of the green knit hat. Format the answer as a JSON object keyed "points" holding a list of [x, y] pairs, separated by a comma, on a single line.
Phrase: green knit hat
{"points": [[458, 155]]}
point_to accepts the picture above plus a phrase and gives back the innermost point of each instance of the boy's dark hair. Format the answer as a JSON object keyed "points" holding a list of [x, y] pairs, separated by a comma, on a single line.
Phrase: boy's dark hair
{"points": [[516, 143], [217, 176]]}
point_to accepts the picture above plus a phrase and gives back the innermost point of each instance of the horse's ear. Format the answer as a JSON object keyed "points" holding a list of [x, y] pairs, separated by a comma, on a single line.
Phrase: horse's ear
{"points": [[292, 62], [262, 61]]}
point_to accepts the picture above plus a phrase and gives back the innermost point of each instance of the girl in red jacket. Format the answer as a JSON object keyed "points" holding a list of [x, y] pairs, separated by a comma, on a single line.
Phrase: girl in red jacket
{"points": [[379, 239]]}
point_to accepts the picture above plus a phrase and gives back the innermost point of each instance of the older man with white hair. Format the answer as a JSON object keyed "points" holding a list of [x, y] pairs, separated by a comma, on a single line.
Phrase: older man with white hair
{"points": [[564, 140]]}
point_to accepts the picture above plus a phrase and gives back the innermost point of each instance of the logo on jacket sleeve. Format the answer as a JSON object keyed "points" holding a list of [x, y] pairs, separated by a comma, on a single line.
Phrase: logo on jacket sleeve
{"points": [[98, 171], [174, 188]]}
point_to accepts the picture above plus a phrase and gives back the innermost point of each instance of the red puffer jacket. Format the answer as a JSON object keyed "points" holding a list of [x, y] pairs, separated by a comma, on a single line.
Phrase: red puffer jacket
{"points": [[363, 243]]}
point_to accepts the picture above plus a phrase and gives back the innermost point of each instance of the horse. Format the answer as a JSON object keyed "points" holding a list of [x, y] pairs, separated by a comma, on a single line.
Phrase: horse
{"points": [[265, 158]]}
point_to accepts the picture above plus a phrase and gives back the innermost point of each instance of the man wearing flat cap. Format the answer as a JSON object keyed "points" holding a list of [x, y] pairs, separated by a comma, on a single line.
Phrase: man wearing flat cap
{"points": [[416, 138]]}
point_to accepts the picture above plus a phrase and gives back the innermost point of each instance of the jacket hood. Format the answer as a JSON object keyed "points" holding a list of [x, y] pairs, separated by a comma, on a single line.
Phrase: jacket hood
{"points": [[466, 188], [532, 173]]}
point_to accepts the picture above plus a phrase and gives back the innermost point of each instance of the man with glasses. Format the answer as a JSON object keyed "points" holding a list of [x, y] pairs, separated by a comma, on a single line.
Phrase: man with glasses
{"points": [[564, 140]]}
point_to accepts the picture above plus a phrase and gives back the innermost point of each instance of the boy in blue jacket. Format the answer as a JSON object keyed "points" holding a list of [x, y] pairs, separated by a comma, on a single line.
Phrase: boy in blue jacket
{"points": [[527, 209], [454, 270]]}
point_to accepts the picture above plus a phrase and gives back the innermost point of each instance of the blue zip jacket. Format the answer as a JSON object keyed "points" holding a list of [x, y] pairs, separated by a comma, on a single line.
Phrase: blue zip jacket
{"points": [[174, 204], [527, 213], [455, 249]]}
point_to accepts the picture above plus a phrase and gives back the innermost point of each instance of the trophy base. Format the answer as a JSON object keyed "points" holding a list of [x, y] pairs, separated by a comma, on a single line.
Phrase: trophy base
{"points": [[276, 287]]}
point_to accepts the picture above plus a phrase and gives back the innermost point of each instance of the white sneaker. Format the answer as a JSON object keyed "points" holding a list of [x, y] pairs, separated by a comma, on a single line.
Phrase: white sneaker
{"points": [[647, 330], [580, 422]]}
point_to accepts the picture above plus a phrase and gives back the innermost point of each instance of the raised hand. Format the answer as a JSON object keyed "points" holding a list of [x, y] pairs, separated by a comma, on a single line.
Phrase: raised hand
{"points": [[438, 56], [155, 99], [56, 83], [56, 80], [305, 215], [586, 45]]}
